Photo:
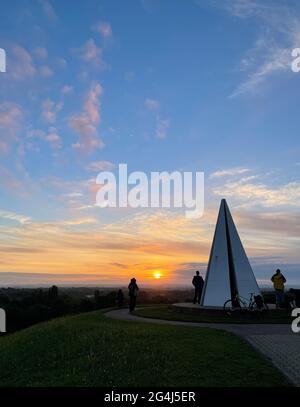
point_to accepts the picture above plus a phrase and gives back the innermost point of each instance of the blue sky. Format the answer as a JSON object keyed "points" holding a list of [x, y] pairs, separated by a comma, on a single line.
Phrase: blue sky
{"points": [[159, 85]]}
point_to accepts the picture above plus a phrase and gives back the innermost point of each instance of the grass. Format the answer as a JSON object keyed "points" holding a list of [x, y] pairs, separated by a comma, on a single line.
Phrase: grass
{"points": [[170, 313], [93, 350]]}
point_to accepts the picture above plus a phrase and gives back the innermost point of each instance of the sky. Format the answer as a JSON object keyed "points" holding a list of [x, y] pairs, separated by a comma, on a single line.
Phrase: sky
{"points": [[161, 85]]}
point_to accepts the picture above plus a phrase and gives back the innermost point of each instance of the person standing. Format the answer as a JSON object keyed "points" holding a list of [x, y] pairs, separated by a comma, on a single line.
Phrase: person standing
{"points": [[278, 281], [198, 283], [133, 293]]}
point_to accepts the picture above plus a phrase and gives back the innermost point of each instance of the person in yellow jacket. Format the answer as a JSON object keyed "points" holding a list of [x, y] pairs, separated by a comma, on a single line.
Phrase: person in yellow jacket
{"points": [[278, 281]]}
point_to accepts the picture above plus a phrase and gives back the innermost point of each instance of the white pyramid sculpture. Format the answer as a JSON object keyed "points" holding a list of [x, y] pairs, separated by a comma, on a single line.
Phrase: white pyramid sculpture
{"points": [[229, 271]]}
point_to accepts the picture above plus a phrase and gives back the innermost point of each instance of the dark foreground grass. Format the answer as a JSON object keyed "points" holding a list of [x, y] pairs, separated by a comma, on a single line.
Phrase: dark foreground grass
{"points": [[92, 350], [171, 313]]}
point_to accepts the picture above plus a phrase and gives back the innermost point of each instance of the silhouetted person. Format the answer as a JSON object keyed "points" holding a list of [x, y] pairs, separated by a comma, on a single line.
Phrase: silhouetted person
{"points": [[198, 283], [120, 298], [133, 293], [291, 299], [278, 281]]}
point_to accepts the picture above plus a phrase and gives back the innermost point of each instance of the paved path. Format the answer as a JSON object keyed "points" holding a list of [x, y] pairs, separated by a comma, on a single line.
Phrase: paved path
{"points": [[276, 341]]}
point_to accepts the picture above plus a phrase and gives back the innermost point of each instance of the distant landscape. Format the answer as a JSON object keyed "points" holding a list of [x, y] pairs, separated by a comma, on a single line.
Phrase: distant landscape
{"points": [[28, 306]]}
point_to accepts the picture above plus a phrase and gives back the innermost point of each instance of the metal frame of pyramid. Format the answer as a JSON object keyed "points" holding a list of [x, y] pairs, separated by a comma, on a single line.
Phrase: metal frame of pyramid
{"points": [[229, 272]]}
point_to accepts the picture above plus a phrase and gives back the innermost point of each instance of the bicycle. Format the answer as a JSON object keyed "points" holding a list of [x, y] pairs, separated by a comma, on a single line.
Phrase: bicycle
{"points": [[239, 303]]}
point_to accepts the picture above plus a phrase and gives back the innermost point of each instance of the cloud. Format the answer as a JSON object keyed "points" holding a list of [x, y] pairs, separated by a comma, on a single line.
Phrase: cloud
{"points": [[37, 279], [100, 166], [85, 123], [253, 194], [21, 64], [76, 246], [50, 110], [228, 172], [103, 28], [270, 59], [11, 116], [67, 89], [279, 33], [45, 71], [61, 62], [162, 126], [152, 104], [245, 8], [139, 243], [80, 221], [54, 139], [48, 10], [74, 194], [51, 137], [41, 52], [91, 53], [15, 217], [10, 182], [269, 223]]}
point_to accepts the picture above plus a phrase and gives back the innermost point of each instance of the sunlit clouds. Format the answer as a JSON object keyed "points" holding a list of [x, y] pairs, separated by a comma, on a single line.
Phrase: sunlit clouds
{"points": [[89, 89], [85, 123]]}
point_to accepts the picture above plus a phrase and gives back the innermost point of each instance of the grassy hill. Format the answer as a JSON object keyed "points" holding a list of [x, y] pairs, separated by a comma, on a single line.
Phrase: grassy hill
{"points": [[171, 313], [92, 350]]}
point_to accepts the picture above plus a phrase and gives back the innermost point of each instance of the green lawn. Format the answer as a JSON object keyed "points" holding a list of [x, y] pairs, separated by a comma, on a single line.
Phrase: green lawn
{"points": [[93, 350], [170, 313]]}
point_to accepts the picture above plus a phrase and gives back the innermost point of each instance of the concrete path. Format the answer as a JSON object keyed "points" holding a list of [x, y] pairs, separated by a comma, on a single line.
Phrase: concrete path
{"points": [[276, 341]]}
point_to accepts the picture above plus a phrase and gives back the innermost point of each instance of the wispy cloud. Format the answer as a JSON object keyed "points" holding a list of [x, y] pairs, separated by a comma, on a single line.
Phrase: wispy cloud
{"points": [[245, 8], [278, 34], [67, 89], [252, 194], [152, 104], [50, 110], [51, 137], [80, 221], [45, 71], [91, 53], [103, 28], [48, 10], [15, 217], [229, 172], [85, 123], [11, 116], [162, 125], [100, 166], [41, 53], [21, 64]]}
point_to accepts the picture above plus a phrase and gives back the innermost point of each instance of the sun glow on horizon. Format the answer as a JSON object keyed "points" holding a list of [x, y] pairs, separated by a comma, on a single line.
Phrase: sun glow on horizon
{"points": [[157, 274]]}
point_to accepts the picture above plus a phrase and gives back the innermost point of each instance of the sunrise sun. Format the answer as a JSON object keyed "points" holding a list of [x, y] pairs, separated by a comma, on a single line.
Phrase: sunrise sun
{"points": [[157, 275]]}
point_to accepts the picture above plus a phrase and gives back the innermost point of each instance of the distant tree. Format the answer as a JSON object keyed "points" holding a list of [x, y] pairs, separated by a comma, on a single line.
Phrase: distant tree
{"points": [[97, 296], [4, 299], [53, 292]]}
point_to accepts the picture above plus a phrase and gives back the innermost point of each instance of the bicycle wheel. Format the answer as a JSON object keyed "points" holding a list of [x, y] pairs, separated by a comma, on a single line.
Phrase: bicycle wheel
{"points": [[229, 308]]}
